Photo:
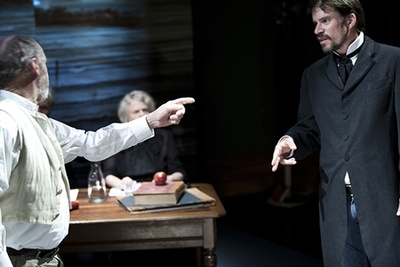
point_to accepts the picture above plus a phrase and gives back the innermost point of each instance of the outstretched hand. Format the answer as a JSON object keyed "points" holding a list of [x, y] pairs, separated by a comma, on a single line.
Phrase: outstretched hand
{"points": [[168, 113], [282, 150]]}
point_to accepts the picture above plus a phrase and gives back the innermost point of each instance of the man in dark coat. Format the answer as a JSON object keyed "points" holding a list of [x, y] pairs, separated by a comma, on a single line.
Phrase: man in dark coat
{"points": [[354, 123]]}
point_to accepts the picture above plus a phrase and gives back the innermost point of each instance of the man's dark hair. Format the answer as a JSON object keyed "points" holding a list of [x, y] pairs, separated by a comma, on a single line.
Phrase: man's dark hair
{"points": [[344, 7]]}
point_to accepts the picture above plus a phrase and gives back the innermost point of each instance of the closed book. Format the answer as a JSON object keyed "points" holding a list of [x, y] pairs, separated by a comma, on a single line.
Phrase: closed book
{"points": [[192, 198], [151, 194]]}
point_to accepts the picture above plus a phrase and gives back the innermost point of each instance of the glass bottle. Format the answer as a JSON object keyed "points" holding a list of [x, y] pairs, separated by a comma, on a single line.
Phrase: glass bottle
{"points": [[97, 191]]}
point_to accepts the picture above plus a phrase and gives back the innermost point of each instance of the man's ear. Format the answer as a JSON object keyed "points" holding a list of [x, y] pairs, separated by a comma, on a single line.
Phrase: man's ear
{"points": [[35, 67], [351, 20]]}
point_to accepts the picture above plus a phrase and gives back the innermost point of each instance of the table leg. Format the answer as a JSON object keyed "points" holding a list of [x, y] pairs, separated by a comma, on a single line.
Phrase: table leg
{"points": [[210, 238], [209, 257]]}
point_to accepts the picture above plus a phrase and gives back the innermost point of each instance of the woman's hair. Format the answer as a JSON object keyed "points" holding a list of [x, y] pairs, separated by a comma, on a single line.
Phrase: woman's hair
{"points": [[16, 52], [138, 96], [344, 7]]}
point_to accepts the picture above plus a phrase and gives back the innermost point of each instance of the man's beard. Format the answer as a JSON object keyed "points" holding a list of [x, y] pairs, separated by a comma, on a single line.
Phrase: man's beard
{"points": [[336, 45], [43, 85], [333, 47], [326, 50]]}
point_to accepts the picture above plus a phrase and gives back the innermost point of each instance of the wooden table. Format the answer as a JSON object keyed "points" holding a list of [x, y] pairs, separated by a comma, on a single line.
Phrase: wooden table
{"points": [[109, 227]]}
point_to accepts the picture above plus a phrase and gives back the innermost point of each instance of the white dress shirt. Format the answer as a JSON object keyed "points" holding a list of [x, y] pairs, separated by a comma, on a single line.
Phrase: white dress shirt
{"points": [[94, 146]]}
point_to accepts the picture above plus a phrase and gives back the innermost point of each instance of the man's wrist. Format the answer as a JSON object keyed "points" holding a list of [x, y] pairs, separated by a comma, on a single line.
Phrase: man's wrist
{"points": [[284, 137], [291, 151], [149, 120]]}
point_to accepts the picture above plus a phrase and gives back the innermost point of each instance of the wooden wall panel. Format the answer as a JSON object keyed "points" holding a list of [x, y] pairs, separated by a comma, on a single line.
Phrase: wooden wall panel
{"points": [[16, 18], [98, 51]]}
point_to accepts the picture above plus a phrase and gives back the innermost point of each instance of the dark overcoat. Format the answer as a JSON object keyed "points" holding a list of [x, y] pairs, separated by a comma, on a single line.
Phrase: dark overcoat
{"points": [[356, 130]]}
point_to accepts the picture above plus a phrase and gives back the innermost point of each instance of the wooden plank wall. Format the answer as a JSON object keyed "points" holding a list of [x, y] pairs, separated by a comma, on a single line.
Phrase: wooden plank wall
{"points": [[100, 50]]}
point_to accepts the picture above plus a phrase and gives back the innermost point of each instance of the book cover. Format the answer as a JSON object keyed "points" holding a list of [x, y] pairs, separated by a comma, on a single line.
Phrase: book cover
{"points": [[151, 194], [191, 198]]}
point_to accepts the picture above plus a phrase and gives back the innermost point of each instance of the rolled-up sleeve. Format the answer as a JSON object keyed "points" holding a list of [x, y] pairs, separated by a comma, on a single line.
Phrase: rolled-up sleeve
{"points": [[103, 143]]}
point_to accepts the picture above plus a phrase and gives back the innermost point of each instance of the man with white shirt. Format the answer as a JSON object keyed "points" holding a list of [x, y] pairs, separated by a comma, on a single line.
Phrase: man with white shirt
{"points": [[349, 111], [34, 189]]}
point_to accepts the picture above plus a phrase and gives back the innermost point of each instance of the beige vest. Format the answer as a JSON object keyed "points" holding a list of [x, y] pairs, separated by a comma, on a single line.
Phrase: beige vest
{"points": [[39, 177]]}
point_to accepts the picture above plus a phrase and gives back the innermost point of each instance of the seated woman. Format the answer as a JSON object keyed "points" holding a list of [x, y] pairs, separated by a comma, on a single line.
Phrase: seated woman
{"points": [[142, 161]]}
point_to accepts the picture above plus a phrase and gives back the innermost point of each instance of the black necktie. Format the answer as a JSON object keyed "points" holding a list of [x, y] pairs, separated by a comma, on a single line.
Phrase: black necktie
{"points": [[345, 65]]}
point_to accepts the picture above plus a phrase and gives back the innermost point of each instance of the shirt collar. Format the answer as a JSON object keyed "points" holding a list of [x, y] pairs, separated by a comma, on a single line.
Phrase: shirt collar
{"points": [[356, 44], [22, 101]]}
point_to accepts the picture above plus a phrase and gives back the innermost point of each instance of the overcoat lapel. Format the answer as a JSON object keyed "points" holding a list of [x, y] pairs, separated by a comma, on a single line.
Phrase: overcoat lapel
{"points": [[360, 69], [363, 64]]}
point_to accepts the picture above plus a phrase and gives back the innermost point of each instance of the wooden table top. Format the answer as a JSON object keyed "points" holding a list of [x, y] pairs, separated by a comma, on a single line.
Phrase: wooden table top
{"points": [[111, 210]]}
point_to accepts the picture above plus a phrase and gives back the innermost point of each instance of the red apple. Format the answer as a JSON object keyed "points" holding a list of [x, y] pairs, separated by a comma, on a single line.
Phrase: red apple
{"points": [[160, 178]]}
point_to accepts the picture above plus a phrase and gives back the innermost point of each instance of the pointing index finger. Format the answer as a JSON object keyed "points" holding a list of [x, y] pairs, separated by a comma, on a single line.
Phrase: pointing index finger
{"points": [[183, 100]]}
